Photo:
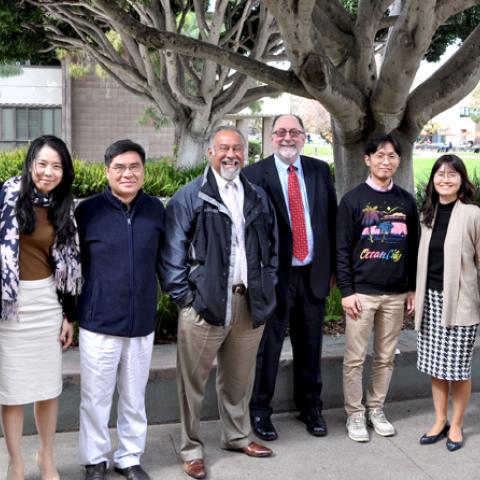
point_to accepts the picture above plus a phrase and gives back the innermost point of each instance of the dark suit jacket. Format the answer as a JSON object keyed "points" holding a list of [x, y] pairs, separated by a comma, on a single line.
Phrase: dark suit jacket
{"points": [[323, 208]]}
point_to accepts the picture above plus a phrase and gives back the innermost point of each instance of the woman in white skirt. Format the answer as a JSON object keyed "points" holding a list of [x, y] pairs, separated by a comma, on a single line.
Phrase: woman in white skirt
{"points": [[447, 299], [39, 259]]}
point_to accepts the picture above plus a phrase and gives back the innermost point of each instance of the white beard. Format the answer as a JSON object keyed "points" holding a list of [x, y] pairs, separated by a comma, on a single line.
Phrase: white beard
{"points": [[229, 174]]}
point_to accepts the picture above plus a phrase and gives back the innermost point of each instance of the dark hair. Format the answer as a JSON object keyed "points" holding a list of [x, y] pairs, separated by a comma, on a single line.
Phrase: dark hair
{"points": [[61, 196], [379, 140], [466, 193], [122, 146], [275, 119]]}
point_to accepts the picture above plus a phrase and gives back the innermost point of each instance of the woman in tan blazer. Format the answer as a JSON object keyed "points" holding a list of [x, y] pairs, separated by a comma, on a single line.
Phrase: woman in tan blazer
{"points": [[447, 298]]}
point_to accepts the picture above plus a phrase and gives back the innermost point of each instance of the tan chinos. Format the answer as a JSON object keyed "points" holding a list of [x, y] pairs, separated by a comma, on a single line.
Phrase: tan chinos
{"points": [[235, 347], [384, 315]]}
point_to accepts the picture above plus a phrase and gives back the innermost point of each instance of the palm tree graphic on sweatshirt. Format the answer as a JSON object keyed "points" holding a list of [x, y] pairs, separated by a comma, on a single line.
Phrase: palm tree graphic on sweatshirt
{"points": [[388, 225]]}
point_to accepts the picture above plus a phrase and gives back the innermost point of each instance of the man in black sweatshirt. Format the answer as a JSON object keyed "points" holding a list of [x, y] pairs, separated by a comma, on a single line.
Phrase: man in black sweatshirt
{"points": [[377, 239]]}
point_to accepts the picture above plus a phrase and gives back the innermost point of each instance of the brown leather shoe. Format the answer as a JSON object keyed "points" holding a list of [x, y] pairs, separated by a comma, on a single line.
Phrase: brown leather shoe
{"points": [[195, 468], [256, 450]]}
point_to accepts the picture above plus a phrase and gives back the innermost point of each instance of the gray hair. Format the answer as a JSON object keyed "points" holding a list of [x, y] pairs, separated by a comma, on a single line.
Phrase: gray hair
{"points": [[299, 119], [228, 128]]}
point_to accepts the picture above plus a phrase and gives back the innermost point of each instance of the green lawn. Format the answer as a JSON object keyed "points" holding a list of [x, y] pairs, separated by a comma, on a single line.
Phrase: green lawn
{"points": [[324, 152], [422, 162]]}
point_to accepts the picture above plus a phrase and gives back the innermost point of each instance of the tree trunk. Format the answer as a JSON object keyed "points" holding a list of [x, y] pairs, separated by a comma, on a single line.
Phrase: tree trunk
{"points": [[350, 168], [190, 146], [404, 176]]}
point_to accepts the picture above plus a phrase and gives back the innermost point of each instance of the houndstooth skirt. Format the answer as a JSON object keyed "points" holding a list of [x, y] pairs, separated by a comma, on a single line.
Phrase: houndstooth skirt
{"points": [[443, 352]]}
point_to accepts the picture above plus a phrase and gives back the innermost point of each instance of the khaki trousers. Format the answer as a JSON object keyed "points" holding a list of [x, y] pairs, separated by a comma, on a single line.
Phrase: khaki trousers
{"points": [[235, 347], [384, 315]]}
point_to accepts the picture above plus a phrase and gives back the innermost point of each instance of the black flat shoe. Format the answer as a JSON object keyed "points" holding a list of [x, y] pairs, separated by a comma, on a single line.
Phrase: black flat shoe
{"points": [[430, 439], [452, 446]]}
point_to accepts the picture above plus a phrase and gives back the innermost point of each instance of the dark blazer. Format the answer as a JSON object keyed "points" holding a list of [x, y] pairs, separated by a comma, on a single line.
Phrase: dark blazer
{"points": [[323, 208]]}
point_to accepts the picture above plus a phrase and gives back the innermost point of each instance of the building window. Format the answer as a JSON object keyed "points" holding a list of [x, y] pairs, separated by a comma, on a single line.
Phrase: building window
{"points": [[20, 125]]}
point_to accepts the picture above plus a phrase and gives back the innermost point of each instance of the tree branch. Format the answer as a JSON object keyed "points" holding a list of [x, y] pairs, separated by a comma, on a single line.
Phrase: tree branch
{"points": [[309, 25], [210, 68], [162, 40], [407, 44], [225, 102], [202, 23], [65, 42], [175, 81], [81, 22], [447, 8], [341, 98], [453, 81], [253, 94]]}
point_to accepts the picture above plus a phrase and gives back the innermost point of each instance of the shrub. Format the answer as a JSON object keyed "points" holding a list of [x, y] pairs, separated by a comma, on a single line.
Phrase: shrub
{"points": [[333, 306], [162, 177], [421, 185], [167, 311], [254, 149], [420, 193], [11, 163]]}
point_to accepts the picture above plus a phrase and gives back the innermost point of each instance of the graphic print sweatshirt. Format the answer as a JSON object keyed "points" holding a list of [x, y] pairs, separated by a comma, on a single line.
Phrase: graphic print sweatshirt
{"points": [[377, 241]]}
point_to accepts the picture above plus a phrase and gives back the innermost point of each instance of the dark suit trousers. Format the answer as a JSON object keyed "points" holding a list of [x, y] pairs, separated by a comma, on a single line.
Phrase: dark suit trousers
{"points": [[303, 314]]}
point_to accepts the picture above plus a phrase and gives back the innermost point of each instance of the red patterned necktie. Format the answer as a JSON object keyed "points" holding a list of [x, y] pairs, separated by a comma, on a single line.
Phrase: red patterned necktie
{"points": [[297, 216]]}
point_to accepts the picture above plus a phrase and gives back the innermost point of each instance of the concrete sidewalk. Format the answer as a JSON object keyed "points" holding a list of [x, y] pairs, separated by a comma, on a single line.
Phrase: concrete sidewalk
{"points": [[161, 395], [298, 455]]}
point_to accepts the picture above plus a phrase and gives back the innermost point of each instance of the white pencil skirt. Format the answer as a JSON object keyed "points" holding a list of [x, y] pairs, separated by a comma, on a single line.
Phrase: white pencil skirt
{"points": [[30, 349]]}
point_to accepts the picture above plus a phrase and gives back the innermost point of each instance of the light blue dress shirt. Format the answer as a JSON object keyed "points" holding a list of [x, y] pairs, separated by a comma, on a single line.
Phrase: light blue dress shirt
{"points": [[282, 169]]}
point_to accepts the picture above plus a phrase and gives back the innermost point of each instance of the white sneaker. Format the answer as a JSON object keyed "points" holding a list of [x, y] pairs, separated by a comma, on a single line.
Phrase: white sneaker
{"points": [[357, 427], [377, 419]]}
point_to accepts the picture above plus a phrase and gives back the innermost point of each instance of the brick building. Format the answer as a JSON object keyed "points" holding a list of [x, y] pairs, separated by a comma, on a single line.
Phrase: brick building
{"points": [[89, 113]]}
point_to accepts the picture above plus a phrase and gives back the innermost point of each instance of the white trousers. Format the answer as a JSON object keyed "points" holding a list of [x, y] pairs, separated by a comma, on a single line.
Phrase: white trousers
{"points": [[106, 361]]}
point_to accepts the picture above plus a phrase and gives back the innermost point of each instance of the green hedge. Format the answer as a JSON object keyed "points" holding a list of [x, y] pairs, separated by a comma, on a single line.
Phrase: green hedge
{"points": [[254, 149], [162, 177], [11, 163]]}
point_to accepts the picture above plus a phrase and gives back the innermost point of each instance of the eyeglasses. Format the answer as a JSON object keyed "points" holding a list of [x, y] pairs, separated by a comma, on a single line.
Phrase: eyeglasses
{"points": [[446, 175], [135, 168], [381, 157], [293, 132]]}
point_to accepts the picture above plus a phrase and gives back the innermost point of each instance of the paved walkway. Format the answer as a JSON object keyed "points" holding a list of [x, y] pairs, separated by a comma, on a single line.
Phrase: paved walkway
{"points": [[298, 455]]}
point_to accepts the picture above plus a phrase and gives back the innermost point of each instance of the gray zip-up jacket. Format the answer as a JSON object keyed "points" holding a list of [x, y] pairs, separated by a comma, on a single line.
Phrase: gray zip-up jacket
{"points": [[196, 260]]}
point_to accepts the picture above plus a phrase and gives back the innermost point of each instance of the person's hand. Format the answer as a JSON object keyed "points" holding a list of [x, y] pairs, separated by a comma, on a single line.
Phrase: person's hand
{"points": [[410, 302], [66, 334], [352, 306]]}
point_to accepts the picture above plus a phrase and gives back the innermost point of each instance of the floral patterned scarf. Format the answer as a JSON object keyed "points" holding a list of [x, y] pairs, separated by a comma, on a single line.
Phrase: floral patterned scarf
{"points": [[66, 258]]}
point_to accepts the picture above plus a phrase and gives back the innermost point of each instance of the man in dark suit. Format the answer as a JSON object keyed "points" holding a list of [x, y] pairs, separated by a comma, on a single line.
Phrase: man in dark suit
{"points": [[303, 195]]}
